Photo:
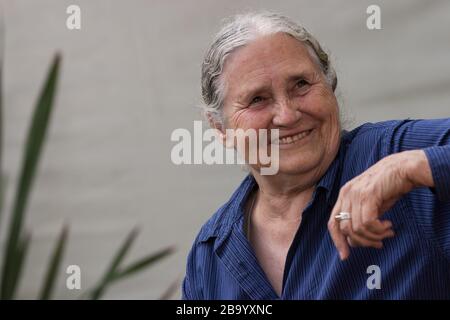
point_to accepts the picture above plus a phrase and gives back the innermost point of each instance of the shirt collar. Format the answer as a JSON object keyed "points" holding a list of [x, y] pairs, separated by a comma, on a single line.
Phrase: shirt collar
{"points": [[328, 180]]}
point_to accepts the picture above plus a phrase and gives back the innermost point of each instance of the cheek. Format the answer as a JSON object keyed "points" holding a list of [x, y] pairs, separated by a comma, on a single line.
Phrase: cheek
{"points": [[256, 118], [322, 106], [320, 102], [324, 109]]}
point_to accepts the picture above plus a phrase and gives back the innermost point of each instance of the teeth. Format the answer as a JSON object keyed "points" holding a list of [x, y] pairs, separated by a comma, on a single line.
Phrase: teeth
{"points": [[291, 139]]}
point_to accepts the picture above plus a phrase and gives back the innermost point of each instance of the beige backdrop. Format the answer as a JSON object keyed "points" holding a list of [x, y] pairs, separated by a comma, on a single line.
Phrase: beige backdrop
{"points": [[131, 76]]}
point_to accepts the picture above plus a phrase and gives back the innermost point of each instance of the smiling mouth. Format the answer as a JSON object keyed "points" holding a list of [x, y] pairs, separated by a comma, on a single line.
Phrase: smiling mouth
{"points": [[294, 138]]}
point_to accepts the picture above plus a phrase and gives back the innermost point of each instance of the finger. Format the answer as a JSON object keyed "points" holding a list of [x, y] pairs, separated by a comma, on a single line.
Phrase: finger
{"points": [[366, 234], [375, 229], [356, 221], [378, 226], [366, 230], [360, 217], [383, 231], [339, 240], [366, 223], [347, 229], [356, 241], [336, 235], [346, 225]]}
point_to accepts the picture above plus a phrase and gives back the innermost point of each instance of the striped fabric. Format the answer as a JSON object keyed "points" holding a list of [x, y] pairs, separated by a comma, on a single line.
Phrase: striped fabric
{"points": [[415, 264]]}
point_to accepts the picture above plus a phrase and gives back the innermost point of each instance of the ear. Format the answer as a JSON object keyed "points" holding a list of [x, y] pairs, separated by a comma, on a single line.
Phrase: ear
{"points": [[218, 126]]}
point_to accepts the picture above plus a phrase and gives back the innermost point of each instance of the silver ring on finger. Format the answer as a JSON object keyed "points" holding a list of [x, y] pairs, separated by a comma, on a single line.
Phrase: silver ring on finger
{"points": [[343, 216]]}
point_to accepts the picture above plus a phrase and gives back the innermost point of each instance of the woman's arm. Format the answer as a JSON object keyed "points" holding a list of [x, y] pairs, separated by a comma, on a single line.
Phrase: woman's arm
{"points": [[368, 196]]}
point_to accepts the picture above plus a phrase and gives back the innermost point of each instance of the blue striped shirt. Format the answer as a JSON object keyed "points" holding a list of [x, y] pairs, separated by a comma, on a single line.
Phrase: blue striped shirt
{"points": [[415, 264]]}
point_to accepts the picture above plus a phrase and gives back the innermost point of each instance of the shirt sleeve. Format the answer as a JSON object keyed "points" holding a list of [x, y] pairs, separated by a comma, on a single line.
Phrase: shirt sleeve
{"points": [[431, 206], [439, 160], [191, 289], [186, 290], [432, 136]]}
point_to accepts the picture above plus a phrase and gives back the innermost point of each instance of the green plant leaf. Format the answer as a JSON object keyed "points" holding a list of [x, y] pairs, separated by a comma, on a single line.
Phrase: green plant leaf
{"points": [[112, 270], [54, 264], [35, 140], [170, 291], [3, 180], [16, 265], [143, 263], [1, 138], [115, 274]]}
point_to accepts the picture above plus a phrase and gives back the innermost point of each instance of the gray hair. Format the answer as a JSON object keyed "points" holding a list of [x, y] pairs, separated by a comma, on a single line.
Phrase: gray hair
{"points": [[239, 31]]}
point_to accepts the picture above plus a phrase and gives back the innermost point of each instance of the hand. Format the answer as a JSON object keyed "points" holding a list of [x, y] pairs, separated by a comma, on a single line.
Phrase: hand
{"points": [[372, 193]]}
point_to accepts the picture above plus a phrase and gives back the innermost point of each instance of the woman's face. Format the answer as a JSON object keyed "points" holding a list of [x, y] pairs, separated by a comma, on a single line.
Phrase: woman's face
{"points": [[274, 83]]}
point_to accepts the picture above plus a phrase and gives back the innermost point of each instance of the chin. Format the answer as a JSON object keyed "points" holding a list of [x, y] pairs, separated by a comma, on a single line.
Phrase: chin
{"points": [[297, 166], [302, 158]]}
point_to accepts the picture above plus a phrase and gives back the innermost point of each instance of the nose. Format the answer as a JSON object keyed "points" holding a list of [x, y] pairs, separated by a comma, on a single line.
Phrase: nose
{"points": [[287, 113]]}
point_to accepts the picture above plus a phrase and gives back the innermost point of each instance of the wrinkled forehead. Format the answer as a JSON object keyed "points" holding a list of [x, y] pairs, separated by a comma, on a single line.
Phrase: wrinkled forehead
{"points": [[274, 56]]}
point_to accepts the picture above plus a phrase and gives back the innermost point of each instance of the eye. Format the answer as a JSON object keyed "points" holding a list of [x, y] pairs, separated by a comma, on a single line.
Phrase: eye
{"points": [[256, 100], [301, 84], [301, 87]]}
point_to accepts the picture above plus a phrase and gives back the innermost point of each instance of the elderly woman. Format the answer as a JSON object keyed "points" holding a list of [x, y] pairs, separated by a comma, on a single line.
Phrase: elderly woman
{"points": [[379, 194]]}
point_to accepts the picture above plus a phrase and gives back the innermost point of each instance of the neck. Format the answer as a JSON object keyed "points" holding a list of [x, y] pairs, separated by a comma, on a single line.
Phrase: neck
{"points": [[284, 197]]}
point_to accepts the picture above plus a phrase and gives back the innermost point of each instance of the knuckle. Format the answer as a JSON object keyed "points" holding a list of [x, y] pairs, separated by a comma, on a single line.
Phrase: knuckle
{"points": [[359, 229], [367, 222], [346, 188], [331, 224], [345, 228], [365, 195], [352, 242]]}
